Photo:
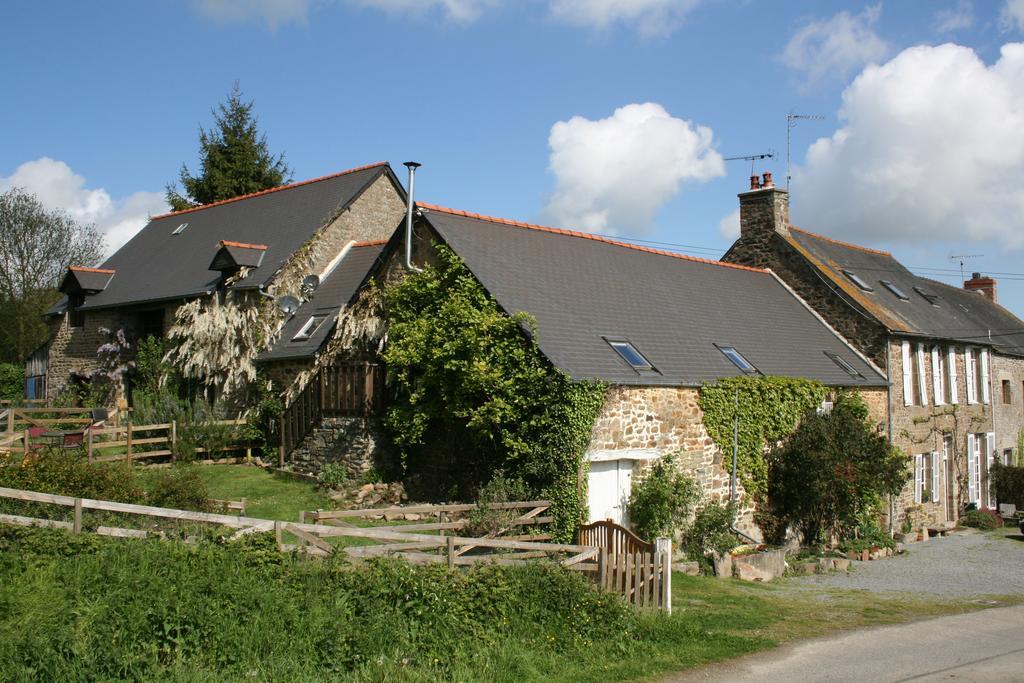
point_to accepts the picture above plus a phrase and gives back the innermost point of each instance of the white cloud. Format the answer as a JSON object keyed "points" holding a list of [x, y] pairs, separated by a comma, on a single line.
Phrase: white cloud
{"points": [[648, 17], [955, 18], [1011, 18], [615, 174], [834, 48], [729, 227], [58, 187], [272, 12], [456, 11], [930, 149]]}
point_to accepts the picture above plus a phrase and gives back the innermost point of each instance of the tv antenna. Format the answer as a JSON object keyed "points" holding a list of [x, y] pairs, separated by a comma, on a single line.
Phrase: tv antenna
{"points": [[791, 121], [770, 154], [961, 258]]}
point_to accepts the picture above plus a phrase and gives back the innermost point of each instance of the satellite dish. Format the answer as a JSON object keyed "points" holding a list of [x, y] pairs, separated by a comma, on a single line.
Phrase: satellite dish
{"points": [[288, 304], [309, 284]]}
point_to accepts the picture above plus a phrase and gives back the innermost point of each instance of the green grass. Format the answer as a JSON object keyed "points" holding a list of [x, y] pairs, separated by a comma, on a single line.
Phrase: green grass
{"points": [[267, 496]]}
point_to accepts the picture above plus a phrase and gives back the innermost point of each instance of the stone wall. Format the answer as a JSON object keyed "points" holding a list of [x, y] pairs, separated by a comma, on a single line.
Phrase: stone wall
{"points": [[357, 443], [1009, 416], [646, 423]]}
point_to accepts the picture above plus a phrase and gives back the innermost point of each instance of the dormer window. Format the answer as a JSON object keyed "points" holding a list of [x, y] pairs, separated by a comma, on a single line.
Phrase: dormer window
{"points": [[857, 280], [900, 294], [233, 256], [737, 358], [309, 328], [630, 354]]}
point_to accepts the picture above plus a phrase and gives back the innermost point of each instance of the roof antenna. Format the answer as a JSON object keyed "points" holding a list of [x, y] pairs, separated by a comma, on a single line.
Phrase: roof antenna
{"points": [[962, 258], [770, 154], [412, 166], [791, 121]]}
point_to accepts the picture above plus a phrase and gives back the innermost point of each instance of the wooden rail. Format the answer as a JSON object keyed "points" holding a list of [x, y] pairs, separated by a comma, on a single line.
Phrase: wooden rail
{"points": [[641, 571], [341, 389], [613, 537]]}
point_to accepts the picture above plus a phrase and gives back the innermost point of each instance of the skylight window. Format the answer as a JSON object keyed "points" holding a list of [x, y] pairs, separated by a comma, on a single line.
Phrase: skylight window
{"points": [[744, 365], [847, 368], [857, 280], [180, 229], [628, 353], [933, 299], [900, 294], [309, 328]]}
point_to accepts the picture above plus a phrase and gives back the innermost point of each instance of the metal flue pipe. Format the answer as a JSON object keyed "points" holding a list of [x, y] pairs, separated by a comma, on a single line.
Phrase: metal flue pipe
{"points": [[411, 198]]}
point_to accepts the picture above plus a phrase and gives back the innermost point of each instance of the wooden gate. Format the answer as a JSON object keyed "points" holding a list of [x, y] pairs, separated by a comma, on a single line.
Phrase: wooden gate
{"points": [[640, 571]]}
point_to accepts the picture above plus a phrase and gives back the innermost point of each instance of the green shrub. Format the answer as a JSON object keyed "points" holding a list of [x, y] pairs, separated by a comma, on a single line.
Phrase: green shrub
{"points": [[1008, 484], [710, 533], [55, 471], [332, 475], [482, 520], [12, 382], [179, 487], [981, 519], [663, 501]]}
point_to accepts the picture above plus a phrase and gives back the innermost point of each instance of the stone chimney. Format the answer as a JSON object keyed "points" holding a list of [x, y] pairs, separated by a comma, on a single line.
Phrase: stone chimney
{"points": [[764, 209], [982, 284]]}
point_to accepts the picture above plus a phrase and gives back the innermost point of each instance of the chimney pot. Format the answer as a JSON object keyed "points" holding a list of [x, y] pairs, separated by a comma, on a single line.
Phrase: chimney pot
{"points": [[975, 276], [768, 180], [754, 183]]}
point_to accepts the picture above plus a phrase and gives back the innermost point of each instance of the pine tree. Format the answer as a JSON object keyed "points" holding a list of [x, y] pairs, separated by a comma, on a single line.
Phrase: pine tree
{"points": [[233, 156]]}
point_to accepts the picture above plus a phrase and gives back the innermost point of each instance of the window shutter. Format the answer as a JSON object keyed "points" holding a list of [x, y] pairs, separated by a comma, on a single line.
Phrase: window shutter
{"points": [[922, 383], [935, 476], [951, 370], [918, 467], [969, 372], [972, 469], [990, 458], [908, 390], [983, 362], [937, 377]]}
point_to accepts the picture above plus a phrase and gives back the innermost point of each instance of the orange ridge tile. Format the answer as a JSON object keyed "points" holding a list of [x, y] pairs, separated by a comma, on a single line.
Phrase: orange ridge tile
{"points": [[369, 243], [92, 270], [271, 190], [584, 235], [243, 245]]}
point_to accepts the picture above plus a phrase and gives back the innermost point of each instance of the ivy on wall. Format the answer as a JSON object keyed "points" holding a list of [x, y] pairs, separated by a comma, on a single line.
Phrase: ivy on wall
{"points": [[769, 409], [474, 397]]}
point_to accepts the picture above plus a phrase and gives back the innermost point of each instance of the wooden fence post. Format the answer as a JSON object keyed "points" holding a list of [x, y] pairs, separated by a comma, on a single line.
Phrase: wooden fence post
{"points": [[25, 439], [277, 533], [10, 420], [451, 552], [280, 438], [664, 559], [302, 520], [174, 439], [76, 526], [88, 443], [129, 441], [602, 567]]}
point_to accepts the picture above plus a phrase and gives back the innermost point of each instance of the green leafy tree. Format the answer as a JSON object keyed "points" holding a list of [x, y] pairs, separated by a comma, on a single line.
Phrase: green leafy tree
{"points": [[833, 471], [663, 501], [233, 156], [473, 395], [12, 382], [36, 247]]}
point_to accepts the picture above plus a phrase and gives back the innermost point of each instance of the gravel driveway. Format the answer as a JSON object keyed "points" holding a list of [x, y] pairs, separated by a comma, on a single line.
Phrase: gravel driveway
{"points": [[959, 565]]}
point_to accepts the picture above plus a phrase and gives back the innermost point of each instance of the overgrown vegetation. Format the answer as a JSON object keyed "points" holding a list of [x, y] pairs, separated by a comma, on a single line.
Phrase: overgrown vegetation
{"points": [[768, 410], [663, 502], [830, 474], [1008, 484], [710, 534], [12, 382], [473, 396], [981, 519]]}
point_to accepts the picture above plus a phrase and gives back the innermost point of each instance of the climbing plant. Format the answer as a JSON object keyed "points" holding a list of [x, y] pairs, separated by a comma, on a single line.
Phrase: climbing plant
{"points": [[768, 409], [474, 398]]}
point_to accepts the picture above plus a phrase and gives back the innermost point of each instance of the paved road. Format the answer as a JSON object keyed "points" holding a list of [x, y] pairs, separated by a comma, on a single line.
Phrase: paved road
{"points": [[981, 646]]}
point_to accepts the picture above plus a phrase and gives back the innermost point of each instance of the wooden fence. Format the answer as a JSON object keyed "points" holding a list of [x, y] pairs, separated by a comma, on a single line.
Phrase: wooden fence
{"points": [[343, 389], [17, 419], [131, 442], [639, 570]]}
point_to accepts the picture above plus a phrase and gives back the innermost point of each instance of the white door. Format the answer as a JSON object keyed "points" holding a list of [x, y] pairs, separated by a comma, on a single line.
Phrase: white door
{"points": [[608, 490]]}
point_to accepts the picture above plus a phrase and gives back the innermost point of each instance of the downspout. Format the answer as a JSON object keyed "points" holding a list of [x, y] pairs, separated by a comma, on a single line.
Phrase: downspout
{"points": [[412, 166], [735, 452]]}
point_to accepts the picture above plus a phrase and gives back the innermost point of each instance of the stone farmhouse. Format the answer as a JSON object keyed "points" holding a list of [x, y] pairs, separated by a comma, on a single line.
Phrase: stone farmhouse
{"points": [[654, 325], [237, 257], [954, 357]]}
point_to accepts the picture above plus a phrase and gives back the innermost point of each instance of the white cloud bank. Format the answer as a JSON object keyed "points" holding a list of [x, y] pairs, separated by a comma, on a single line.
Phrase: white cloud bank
{"points": [[648, 17], [836, 47], [58, 187], [615, 174], [930, 149], [1011, 18]]}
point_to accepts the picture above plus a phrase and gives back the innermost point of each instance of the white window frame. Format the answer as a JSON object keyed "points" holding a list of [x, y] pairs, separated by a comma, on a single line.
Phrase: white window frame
{"points": [[918, 477], [308, 329], [951, 371], [938, 377], [973, 469], [936, 460], [908, 387], [986, 397], [990, 458], [922, 384], [970, 367]]}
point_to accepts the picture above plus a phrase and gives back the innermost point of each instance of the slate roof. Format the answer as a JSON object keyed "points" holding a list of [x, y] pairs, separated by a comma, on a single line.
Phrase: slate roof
{"points": [[333, 293], [81, 279], [156, 265], [959, 315], [672, 308]]}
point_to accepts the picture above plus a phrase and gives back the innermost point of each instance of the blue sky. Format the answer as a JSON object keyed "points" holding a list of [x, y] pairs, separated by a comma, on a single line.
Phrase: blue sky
{"points": [[607, 115]]}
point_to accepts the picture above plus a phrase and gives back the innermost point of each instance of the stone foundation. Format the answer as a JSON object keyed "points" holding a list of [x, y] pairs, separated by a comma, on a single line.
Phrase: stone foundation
{"points": [[357, 443]]}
